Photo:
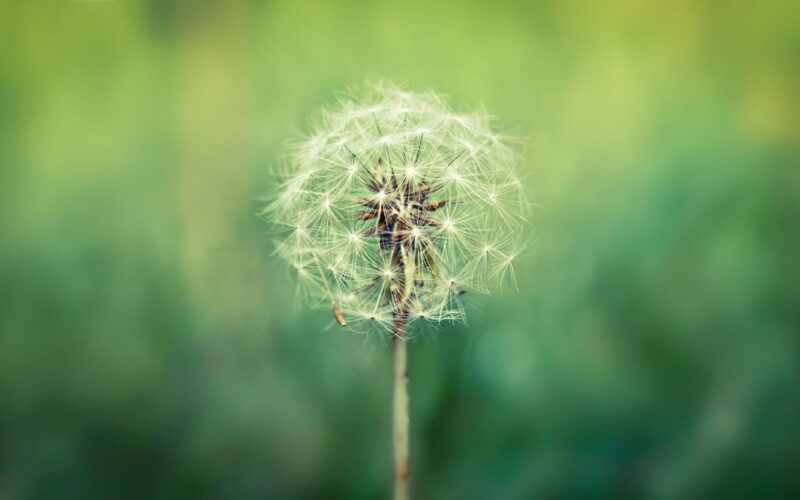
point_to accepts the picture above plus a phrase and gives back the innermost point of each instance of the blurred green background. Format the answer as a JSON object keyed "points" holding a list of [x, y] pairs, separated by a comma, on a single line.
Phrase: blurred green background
{"points": [[151, 347]]}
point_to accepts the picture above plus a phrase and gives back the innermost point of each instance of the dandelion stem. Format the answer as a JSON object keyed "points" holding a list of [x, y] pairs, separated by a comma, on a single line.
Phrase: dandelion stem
{"points": [[400, 407]]}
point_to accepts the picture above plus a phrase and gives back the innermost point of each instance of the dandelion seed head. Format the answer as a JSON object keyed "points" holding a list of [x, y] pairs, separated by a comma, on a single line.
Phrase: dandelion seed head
{"points": [[386, 209]]}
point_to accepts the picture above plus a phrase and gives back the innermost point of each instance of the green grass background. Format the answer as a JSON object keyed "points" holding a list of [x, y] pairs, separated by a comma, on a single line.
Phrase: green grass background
{"points": [[151, 347]]}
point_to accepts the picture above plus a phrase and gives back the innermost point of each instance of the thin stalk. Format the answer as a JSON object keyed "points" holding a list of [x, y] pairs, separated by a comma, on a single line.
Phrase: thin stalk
{"points": [[400, 407]]}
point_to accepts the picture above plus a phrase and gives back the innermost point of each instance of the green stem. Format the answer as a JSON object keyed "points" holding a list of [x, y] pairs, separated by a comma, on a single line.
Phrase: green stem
{"points": [[400, 408]]}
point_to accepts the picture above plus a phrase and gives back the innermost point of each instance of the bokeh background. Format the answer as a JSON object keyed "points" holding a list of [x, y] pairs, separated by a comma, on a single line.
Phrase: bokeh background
{"points": [[152, 348]]}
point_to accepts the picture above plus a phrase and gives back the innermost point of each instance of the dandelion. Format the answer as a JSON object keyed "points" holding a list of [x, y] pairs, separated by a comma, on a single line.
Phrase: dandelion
{"points": [[394, 208]]}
